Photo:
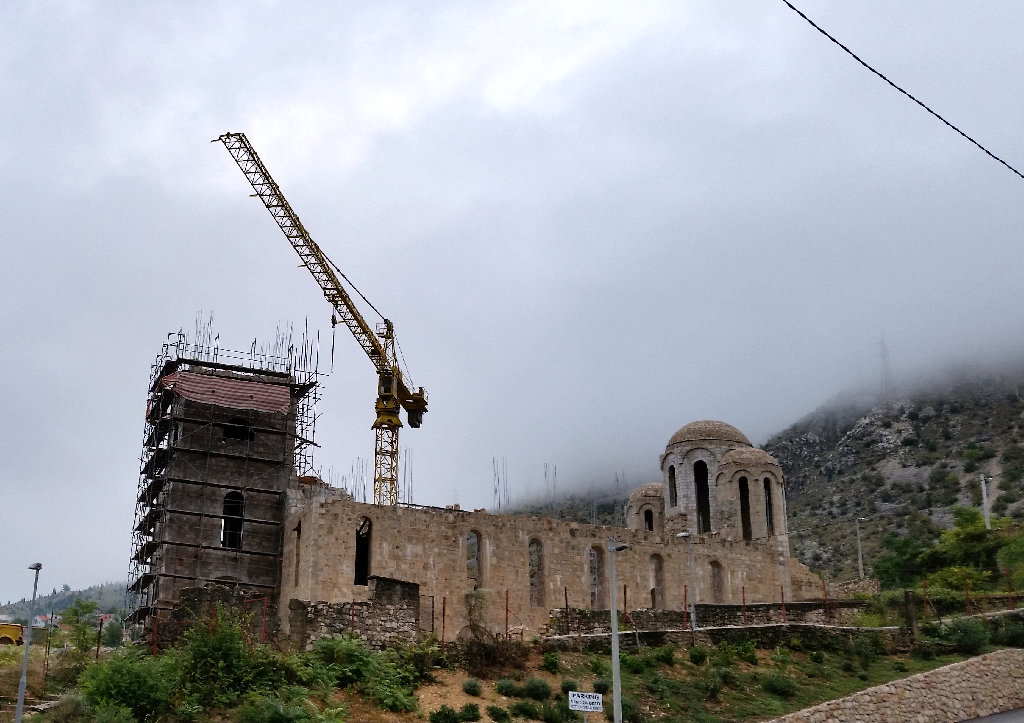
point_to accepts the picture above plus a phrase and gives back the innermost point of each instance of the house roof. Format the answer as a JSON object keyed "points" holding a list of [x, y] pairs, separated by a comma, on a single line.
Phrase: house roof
{"points": [[228, 392]]}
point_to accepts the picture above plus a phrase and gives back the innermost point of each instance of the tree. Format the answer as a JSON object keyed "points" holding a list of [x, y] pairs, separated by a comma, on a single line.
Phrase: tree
{"points": [[113, 634], [81, 616]]}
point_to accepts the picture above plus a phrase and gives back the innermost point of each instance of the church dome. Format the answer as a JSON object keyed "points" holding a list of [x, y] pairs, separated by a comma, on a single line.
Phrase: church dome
{"points": [[709, 431], [652, 489], [750, 456]]}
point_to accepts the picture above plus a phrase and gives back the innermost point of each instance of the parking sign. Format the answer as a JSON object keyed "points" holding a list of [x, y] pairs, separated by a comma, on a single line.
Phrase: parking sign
{"points": [[586, 702]]}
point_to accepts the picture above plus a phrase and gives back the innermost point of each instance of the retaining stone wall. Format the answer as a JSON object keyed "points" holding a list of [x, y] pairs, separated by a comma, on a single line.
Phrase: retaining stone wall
{"points": [[988, 684], [390, 617]]}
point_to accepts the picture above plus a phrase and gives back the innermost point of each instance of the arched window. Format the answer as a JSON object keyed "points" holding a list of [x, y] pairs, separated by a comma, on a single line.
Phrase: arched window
{"points": [[649, 520], [745, 509], [364, 534], [474, 556], [673, 496], [657, 582], [700, 479], [717, 582], [536, 554], [598, 595], [231, 522], [769, 511]]}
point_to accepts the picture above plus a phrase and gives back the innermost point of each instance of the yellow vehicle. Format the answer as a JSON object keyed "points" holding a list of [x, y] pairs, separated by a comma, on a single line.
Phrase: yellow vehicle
{"points": [[11, 634]]}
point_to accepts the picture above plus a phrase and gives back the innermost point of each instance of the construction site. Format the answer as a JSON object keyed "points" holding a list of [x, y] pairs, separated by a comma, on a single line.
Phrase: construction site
{"points": [[229, 496]]}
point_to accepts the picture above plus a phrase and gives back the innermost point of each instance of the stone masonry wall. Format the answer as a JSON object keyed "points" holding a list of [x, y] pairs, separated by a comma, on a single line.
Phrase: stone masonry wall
{"points": [[988, 684], [391, 616]]}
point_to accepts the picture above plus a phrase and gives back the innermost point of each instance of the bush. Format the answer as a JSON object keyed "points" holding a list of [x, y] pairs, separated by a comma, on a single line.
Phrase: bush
{"points": [[552, 712], [143, 684], [747, 651], [924, 650], [864, 649], [469, 713], [270, 710], [471, 687], [698, 654], [444, 714], [666, 655], [602, 685], [498, 714], [600, 667], [710, 683], [569, 685], [386, 678], [969, 635], [630, 711], [848, 666], [525, 709], [817, 656], [507, 688], [899, 666], [551, 663], [779, 684], [537, 688], [1008, 632], [634, 663]]}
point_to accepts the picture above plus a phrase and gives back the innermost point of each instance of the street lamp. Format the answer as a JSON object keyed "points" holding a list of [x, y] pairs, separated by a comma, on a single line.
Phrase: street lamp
{"points": [[689, 570], [614, 547], [860, 555], [28, 642]]}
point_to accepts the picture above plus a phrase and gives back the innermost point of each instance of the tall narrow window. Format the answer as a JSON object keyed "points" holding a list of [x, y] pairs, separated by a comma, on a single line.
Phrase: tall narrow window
{"points": [[298, 551], [597, 591], [231, 522], [769, 511], [717, 582], [364, 536], [745, 509], [673, 496], [700, 479], [657, 582], [473, 566], [536, 553], [649, 520]]}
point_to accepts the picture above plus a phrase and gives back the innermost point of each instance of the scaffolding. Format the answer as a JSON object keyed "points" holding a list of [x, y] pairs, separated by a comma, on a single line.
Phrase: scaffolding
{"points": [[226, 435]]}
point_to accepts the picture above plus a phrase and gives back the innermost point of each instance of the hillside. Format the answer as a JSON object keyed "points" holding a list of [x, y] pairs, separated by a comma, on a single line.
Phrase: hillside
{"points": [[108, 596]]}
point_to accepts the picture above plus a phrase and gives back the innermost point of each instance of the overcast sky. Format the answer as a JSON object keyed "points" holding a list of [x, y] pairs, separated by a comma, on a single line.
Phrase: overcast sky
{"points": [[591, 223]]}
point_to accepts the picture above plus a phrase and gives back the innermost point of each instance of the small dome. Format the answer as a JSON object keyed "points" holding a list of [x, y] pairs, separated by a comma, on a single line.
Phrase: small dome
{"points": [[749, 456], [709, 431], [652, 489]]}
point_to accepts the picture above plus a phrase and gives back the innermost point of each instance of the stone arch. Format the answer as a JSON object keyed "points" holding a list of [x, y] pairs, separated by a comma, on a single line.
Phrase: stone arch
{"points": [[598, 587], [364, 536], [535, 550], [231, 522], [748, 533], [703, 494], [673, 493], [717, 582], [657, 568], [474, 558]]}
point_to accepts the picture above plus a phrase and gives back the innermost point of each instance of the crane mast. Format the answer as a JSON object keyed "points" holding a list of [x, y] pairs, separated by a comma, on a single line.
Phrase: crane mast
{"points": [[379, 345]]}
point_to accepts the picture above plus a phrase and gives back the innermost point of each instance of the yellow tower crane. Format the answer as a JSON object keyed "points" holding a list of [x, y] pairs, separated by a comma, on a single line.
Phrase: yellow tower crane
{"points": [[392, 391]]}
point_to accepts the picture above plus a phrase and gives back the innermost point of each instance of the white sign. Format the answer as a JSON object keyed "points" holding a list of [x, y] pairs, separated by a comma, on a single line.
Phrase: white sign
{"points": [[586, 702]]}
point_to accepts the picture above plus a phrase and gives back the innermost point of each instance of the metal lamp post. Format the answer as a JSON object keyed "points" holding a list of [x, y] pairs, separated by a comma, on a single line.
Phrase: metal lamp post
{"points": [[689, 571], [614, 547], [23, 683], [860, 555]]}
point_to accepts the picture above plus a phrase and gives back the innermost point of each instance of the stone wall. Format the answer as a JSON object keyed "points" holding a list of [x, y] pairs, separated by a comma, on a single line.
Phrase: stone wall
{"points": [[988, 684], [257, 611], [389, 617], [430, 547]]}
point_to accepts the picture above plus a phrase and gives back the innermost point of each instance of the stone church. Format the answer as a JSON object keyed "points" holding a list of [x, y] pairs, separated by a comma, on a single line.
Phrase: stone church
{"points": [[223, 500]]}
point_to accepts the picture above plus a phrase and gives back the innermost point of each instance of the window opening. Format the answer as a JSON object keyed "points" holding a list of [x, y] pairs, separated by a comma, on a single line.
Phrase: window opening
{"points": [[657, 582], [231, 522], [298, 551], [745, 509], [473, 566], [769, 512], [536, 554], [649, 520], [673, 496], [238, 428], [700, 476], [717, 582], [364, 534], [597, 585]]}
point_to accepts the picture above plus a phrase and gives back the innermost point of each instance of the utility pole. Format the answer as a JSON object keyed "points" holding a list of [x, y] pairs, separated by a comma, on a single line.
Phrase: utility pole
{"points": [[860, 554], [614, 547], [23, 683], [984, 502]]}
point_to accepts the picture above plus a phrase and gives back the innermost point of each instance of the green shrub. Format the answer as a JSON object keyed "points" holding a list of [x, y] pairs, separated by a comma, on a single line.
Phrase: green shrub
{"points": [[781, 656], [864, 649], [666, 655], [848, 666], [817, 656], [131, 679], [634, 663], [569, 685], [1008, 632], [269, 710], [724, 655], [729, 677], [387, 678], [602, 685], [471, 687], [557, 712], [924, 650], [630, 711], [899, 666], [698, 654], [498, 714], [507, 688], [113, 714], [70, 708], [444, 714], [779, 684], [551, 663], [525, 709], [469, 712], [747, 651], [537, 689], [710, 683], [600, 667], [969, 635]]}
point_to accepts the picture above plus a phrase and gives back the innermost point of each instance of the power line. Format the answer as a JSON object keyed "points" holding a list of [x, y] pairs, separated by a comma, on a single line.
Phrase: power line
{"points": [[901, 90]]}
